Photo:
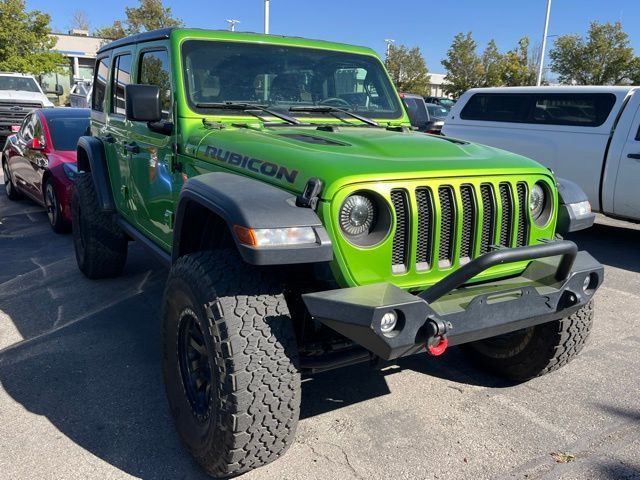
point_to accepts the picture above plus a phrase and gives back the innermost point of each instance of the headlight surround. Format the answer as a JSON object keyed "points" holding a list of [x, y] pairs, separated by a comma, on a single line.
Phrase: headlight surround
{"points": [[364, 218], [540, 203]]}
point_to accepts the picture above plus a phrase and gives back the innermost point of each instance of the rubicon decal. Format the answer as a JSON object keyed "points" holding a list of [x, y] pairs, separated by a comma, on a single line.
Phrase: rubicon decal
{"points": [[267, 169]]}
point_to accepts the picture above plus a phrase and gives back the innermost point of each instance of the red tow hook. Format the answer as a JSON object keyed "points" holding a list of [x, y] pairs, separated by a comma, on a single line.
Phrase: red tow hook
{"points": [[439, 349]]}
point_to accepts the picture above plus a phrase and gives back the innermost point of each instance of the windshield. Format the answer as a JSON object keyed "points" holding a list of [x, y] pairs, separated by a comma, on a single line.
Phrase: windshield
{"points": [[446, 102], [18, 83], [281, 77], [437, 110], [65, 131]]}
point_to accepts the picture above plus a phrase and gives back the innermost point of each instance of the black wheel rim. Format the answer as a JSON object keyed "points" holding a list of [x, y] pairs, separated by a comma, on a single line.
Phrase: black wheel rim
{"points": [[51, 204], [195, 369]]}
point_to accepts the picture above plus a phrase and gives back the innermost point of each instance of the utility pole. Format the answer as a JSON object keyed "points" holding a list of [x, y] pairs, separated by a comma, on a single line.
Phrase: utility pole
{"points": [[544, 43], [389, 42], [266, 17], [232, 24]]}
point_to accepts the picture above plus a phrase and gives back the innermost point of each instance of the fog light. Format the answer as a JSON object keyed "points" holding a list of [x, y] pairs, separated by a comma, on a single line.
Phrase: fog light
{"points": [[388, 322]]}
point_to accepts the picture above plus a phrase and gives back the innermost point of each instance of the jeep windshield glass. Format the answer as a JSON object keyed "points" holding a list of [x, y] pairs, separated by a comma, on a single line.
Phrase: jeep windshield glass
{"points": [[282, 77], [18, 84]]}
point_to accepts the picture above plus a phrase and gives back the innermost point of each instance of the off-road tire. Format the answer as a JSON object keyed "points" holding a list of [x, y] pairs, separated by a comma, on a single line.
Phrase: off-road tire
{"points": [[54, 210], [100, 244], [251, 354], [9, 186], [534, 351]]}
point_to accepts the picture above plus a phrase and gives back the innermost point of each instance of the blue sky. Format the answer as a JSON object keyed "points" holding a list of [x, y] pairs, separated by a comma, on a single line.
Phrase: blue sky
{"points": [[427, 24]]}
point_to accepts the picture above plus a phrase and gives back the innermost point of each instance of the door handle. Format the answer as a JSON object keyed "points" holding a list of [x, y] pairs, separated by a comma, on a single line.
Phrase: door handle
{"points": [[132, 147], [635, 156]]}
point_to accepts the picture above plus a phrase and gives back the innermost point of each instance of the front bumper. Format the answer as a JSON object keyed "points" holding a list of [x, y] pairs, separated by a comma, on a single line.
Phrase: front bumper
{"points": [[558, 281]]}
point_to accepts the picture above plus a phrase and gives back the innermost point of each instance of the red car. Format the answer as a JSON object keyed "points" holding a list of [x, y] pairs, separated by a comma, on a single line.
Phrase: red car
{"points": [[40, 160]]}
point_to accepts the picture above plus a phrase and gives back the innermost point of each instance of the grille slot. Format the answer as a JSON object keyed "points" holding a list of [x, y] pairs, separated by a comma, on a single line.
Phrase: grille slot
{"points": [[424, 200], [468, 223], [447, 227], [400, 253], [523, 219], [507, 215], [488, 217]]}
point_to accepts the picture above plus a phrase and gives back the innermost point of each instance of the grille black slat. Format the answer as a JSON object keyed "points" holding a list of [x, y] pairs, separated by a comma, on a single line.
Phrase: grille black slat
{"points": [[424, 201], [447, 226], [523, 223], [488, 217], [400, 252], [507, 215], [468, 222]]}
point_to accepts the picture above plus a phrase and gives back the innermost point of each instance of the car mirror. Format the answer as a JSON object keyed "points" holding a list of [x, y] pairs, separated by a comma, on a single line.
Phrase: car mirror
{"points": [[35, 144], [59, 91], [142, 103]]}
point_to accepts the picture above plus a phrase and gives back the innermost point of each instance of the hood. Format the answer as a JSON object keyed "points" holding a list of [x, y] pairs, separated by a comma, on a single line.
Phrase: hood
{"points": [[22, 95], [289, 156]]}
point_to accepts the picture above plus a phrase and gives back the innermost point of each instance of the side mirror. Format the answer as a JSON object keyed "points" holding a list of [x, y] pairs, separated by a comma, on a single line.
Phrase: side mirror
{"points": [[59, 91], [34, 144], [142, 103]]}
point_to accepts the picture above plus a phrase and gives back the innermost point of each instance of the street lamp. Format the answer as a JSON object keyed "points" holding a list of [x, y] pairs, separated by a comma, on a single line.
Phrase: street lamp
{"points": [[266, 17], [544, 43], [232, 24], [389, 42]]}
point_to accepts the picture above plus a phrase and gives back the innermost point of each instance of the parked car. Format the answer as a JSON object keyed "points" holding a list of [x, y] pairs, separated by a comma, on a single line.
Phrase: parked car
{"points": [[19, 95], [590, 135], [80, 94], [437, 111], [419, 115], [444, 101], [39, 160], [305, 228]]}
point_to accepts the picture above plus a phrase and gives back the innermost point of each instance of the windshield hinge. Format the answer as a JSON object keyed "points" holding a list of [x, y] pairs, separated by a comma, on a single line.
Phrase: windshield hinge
{"points": [[310, 195]]}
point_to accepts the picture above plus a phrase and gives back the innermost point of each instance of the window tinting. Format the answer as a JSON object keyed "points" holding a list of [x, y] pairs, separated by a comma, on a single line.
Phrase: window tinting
{"points": [[65, 131], [154, 70], [100, 85], [282, 77], [120, 78], [579, 109]]}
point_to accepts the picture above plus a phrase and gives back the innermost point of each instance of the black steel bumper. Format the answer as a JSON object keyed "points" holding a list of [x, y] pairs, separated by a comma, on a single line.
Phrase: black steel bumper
{"points": [[558, 281]]}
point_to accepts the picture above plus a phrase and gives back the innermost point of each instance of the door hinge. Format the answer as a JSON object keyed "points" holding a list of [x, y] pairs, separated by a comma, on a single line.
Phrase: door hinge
{"points": [[168, 218], [125, 191]]}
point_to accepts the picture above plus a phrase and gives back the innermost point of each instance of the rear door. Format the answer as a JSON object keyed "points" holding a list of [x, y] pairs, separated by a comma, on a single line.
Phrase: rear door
{"points": [[626, 195]]}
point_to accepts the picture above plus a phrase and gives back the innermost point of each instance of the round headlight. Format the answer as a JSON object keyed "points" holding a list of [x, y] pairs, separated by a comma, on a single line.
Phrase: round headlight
{"points": [[537, 201], [357, 215]]}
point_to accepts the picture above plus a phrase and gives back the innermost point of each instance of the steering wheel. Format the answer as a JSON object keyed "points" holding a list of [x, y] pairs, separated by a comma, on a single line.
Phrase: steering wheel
{"points": [[335, 102]]}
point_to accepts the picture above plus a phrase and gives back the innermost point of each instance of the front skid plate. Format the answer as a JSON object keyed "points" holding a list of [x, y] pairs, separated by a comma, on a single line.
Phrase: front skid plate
{"points": [[536, 298]]}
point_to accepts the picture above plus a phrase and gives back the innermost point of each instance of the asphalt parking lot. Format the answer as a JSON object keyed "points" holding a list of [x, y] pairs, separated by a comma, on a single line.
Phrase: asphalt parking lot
{"points": [[81, 393]]}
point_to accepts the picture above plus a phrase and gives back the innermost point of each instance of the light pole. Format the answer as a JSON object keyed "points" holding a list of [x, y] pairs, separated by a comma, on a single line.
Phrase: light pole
{"points": [[266, 17], [544, 43], [389, 42], [232, 24]]}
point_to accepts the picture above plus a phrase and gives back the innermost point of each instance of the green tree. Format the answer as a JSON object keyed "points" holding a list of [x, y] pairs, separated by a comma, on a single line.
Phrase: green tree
{"points": [[517, 66], [492, 65], [408, 69], [604, 57], [25, 41], [149, 15], [463, 65]]}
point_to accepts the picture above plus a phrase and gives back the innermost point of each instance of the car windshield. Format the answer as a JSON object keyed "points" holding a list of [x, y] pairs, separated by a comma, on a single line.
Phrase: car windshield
{"points": [[446, 102], [65, 131], [281, 77], [437, 110], [18, 83]]}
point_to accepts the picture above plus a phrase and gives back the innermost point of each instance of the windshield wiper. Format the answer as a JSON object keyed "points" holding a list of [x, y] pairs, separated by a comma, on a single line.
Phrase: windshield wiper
{"points": [[332, 110], [248, 107]]}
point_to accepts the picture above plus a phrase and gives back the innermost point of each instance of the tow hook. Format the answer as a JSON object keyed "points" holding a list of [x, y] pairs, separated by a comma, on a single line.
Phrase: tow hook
{"points": [[437, 341]]}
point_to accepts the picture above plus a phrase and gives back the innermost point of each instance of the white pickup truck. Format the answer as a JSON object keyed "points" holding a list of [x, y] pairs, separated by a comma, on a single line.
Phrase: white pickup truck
{"points": [[590, 135]]}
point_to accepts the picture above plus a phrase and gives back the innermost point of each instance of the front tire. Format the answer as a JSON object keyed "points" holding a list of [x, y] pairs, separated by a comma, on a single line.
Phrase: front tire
{"points": [[229, 362], [99, 243], [534, 351], [9, 187], [54, 211]]}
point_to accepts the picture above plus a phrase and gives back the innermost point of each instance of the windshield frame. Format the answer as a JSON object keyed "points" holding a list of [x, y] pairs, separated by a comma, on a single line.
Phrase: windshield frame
{"points": [[396, 116]]}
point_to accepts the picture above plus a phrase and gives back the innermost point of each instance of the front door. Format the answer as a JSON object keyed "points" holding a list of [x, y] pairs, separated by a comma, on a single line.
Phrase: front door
{"points": [[626, 196]]}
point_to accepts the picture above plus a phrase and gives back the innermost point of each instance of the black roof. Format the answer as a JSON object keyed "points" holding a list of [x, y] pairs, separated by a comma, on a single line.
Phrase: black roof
{"points": [[140, 37], [64, 112]]}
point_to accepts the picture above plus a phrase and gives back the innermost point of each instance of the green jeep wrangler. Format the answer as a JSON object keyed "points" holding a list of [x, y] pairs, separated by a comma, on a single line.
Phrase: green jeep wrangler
{"points": [[307, 227]]}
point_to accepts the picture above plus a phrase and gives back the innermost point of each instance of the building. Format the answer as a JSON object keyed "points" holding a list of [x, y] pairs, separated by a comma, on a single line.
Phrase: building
{"points": [[80, 50], [436, 84]]}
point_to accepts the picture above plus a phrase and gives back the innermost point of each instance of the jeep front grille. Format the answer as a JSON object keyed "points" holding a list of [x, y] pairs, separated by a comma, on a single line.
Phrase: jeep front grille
{"points": [[465, 222]]}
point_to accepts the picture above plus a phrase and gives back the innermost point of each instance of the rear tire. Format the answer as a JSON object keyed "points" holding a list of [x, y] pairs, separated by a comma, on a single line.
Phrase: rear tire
{"points": [[9, 187], [100, 244], [534, 351], [54, 211], [230, 362]]}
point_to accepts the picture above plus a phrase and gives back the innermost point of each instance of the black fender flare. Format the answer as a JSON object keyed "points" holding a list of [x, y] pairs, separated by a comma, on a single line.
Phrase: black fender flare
{"points": [[246, 202], [91, 158], [570, 193]]}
